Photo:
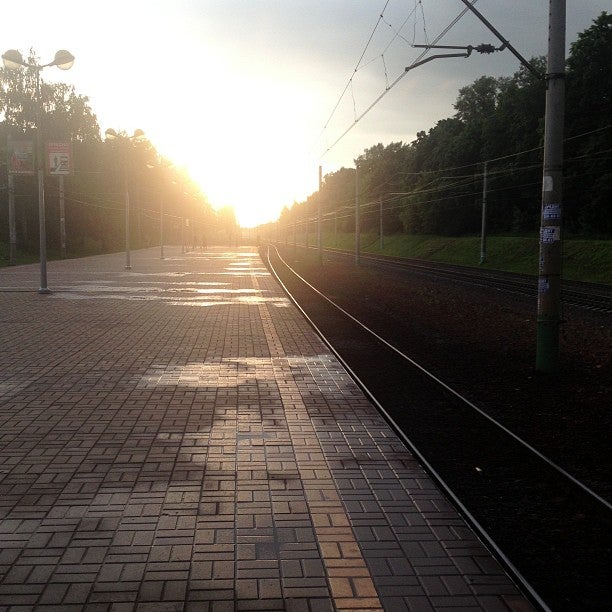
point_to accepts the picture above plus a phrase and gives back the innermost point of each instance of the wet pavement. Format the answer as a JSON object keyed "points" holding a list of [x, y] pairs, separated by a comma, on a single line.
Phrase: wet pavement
{"points": [[176, 437]]}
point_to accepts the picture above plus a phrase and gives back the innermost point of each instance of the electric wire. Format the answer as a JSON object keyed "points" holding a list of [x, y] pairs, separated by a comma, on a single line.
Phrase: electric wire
{"points": [[511, 169], [392, 85], [355, 69]]}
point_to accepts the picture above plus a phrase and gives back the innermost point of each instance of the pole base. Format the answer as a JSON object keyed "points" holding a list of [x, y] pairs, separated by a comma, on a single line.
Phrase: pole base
{"points": [[44, 291], [547, 348]]}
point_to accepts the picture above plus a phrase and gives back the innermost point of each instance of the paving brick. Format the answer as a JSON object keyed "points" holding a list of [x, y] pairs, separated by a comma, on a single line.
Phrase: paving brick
{"points": [[176, 437]]}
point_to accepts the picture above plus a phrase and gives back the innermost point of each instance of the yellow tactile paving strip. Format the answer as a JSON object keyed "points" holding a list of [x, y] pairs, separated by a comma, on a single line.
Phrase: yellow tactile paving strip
{"points": [[350, 582]]}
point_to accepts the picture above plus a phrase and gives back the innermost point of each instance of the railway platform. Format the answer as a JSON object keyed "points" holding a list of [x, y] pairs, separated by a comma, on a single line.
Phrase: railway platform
{"points": [[177, 437]]}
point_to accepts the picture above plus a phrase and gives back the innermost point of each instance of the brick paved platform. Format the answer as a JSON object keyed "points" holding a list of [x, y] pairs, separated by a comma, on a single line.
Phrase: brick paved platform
{"points": [[175, 437]]}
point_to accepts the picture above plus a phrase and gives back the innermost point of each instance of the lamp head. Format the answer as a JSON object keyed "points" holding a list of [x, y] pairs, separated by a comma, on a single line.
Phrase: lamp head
{"points": [[138, 136], [64, 60], [12, 59]]}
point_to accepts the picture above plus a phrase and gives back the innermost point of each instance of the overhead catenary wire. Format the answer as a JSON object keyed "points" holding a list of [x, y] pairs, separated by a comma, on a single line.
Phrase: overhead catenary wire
{"points": [[349, 82], [388, 88], [359, 64], [401, 200], [397, 34]]}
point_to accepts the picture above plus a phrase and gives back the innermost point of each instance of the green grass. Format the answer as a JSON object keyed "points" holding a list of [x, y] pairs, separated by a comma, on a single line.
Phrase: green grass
{"points": [[21, 257], [88, 248], [583, 260]]}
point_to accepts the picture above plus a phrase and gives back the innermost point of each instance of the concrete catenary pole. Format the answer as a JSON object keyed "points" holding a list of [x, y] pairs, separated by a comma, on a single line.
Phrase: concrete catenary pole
{"points": [[483, 229], [550, 265], [381, 228], [319, 240], [357, 220]]}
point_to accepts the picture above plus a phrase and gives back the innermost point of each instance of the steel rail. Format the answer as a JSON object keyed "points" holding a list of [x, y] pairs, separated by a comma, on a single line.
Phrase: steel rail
{"points": [[480, 531], [598, 300], [467, 402]]}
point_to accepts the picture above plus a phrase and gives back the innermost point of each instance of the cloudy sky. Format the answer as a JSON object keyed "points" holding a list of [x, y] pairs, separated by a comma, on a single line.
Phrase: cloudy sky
{"points": [[247, 94]]}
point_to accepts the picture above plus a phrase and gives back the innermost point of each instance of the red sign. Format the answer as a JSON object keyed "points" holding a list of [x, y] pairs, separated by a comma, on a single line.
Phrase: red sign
{"points": [[59, 158]]}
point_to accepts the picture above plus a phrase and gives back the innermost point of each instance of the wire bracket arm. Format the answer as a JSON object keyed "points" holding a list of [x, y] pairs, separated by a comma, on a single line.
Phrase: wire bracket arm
{"points": [[505, 43]]}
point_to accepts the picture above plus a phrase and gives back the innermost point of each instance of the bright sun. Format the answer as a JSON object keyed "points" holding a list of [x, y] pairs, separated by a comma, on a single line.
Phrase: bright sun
{"points": [[249, 158], [257, 182], [243, 146], [238, 122]]}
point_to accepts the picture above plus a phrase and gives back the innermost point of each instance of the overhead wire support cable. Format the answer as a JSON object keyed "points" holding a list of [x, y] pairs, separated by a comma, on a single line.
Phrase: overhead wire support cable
{"points": [[398, 31], [397, 34], [420, 3]]}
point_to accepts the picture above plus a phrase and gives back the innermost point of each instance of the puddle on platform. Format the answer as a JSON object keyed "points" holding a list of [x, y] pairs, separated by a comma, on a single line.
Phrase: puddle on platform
{"points": [[235, 371], [179, 294]]}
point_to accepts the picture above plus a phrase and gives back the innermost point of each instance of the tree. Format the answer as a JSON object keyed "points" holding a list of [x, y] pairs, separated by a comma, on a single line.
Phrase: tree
{"points": [[228, 225], [589, 78], [477, 101], [381, 172], [588, 185], [338, 195], [69, 115], [65, 113], [518, 123], [65, 116]]}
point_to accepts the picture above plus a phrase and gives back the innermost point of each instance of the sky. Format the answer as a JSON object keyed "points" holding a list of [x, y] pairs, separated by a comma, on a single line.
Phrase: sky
{"points": [[252, 96]]}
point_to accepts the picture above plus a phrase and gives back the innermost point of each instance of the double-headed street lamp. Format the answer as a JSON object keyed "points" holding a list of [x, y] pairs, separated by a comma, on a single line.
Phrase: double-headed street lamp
{"points": [[138, 136], [64, 60]]}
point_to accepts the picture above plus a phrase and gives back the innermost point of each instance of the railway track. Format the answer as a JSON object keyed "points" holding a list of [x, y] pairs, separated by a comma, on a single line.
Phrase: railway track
{"points": [[548, 528], [588, 296]]}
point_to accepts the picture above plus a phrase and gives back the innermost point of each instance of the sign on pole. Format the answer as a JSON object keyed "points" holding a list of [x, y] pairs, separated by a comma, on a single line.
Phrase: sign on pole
{"points": [[59, 158], [20, 157]]}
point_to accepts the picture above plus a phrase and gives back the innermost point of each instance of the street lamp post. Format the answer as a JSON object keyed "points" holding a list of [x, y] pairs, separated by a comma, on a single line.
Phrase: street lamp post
{"points": [[64, 60], [182, 193], [138, 136], [162, 165]]}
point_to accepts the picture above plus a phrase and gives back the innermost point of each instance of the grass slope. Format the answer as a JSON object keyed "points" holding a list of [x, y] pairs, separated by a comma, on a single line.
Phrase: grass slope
{"points": [[583, 260]]}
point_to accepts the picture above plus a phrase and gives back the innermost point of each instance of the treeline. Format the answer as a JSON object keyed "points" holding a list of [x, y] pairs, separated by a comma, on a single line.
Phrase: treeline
{"points": [[95, 193], [434, 185]]}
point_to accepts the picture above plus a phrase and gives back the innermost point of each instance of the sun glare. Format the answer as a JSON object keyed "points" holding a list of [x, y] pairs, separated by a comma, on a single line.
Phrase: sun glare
{"points": [[243, 152], [236, 122], [256, 182]]}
